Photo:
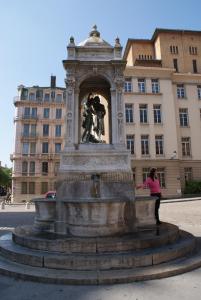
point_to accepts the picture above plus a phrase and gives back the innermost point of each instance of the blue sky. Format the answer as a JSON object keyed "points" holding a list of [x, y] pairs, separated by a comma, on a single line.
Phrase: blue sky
{"points": [[34, 35]]}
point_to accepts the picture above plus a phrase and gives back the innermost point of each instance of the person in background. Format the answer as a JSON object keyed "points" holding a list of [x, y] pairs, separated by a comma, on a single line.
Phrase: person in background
{"points": [[153, 184]]}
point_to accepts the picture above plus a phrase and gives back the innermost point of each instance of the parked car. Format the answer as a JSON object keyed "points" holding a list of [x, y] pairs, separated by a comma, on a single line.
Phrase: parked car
{"points": [[50, 195]]}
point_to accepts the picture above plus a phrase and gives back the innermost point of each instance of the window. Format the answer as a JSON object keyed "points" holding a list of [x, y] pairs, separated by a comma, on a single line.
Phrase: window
{"points": [[25, 148], [143, 113], [26, 130], [157, 113], [58, 113], [183, 117], [144, 144], [45, 147], [32, 97], [24, 168], [59, 98], [45, 129], [46, 113], [24, 188], [175, 64], [39, 95], [27, 112], [161, 177], [174, 49], [56, 168], [46, 97], [57, 147], [33, 130], [31, 187], [44, 187], [34, 112], [155, 86], [24, 94], [44, 168], [180, 91], [145, 174], [194, 62], [32, 168], [58, 130], [141, 85], [130, 143], [129, 113], [193, 50], [145, 56], [28, 188], [128, 85], [199, 91], [32, 148], [159, 144], [188, 174], [186, 147], [53, 95]]}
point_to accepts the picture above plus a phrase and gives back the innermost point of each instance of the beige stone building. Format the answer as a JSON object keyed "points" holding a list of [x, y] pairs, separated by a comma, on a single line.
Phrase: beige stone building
{"points": [[39, 127], [162, 117], [163, 106]]}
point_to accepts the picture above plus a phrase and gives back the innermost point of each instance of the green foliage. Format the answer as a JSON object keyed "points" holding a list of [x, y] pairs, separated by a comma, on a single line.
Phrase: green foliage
{"points": [[193, 187], [5, 176]]}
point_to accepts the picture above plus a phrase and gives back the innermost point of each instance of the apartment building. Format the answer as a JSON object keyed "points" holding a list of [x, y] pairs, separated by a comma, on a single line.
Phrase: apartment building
{"points": [[39, 136], [162, 117], [163, 107]]}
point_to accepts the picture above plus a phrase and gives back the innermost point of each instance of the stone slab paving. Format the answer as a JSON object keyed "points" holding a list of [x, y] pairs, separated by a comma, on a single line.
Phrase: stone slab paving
{"points": [[187, 215]]}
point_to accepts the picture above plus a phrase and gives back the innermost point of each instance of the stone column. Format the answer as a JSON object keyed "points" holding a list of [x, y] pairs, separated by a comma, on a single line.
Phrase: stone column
{"points": [[119, 82], [113, 116], [70, 109], [76, 116]]}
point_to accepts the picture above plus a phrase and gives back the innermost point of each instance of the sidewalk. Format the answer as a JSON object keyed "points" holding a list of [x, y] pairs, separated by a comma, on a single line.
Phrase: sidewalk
{"points": [[185, 214]]}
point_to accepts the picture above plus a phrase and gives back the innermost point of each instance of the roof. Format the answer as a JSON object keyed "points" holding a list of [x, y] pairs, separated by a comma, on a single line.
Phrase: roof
{"points": [[155, 35]]}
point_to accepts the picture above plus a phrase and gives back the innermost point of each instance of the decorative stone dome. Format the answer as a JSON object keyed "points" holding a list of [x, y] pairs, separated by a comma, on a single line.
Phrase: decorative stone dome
{"points": [[94, 39]]}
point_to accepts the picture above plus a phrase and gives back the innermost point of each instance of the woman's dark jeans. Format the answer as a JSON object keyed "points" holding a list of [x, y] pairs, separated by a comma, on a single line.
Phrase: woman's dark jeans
{"points": [[157, 205]]}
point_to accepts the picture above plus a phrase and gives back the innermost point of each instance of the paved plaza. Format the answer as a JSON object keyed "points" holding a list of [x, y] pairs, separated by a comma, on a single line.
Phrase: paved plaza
{"points": [[185, 214]]}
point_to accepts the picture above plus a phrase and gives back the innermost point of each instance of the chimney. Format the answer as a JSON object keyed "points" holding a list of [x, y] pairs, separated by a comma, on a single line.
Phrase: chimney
{"points": [[53, 82]]}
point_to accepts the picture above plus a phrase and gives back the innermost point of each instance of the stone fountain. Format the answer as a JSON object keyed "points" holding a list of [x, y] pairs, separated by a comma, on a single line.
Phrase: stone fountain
{"points": [[95, 230]]}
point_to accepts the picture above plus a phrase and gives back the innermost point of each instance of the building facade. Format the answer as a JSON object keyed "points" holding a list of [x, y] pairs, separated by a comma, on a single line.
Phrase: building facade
{"points": [[162, 117], [39, 128], [163, 107]]}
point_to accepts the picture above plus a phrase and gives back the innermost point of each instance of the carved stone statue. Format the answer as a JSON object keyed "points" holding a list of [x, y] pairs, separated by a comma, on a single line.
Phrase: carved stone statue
{"points": [[99, 109], [92, 108]]}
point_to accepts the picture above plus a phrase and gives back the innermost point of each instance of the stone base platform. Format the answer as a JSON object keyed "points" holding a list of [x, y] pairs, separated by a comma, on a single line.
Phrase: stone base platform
{"points": [[160, 252]]}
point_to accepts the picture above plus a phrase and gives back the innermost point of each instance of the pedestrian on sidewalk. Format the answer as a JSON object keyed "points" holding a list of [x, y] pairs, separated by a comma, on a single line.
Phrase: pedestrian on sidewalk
{"points": [[153, 184]]}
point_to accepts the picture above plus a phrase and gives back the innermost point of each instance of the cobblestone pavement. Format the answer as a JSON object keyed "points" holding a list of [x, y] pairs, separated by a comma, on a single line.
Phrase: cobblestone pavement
{"points": [[187, 215]]}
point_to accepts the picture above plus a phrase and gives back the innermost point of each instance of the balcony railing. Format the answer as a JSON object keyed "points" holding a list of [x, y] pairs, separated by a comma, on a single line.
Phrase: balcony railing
{"points": [[29, 135], [148, 63], [29, 117]]}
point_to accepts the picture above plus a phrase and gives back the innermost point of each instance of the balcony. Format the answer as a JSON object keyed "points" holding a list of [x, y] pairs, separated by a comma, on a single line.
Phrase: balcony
{"points": [[30, 135], [29, 117], [156, 63]]}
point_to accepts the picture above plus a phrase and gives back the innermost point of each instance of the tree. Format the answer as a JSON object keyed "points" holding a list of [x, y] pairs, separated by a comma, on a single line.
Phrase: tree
{"points": [[5, 176]]}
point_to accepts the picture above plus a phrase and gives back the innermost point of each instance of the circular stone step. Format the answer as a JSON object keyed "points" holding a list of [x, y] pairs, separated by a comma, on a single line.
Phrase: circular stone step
{"points": [[162, 235], [97, 261], [46, 275]]}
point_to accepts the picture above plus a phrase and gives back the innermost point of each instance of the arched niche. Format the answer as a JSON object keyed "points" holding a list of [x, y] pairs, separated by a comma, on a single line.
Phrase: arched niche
{"points": [[100, 86]]}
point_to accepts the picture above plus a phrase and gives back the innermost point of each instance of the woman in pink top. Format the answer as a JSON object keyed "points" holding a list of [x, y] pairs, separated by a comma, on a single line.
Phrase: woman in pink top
{"points": [[154, 185]]}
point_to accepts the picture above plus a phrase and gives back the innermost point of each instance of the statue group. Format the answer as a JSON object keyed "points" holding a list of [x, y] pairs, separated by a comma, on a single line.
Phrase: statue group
{"points": [[93, 122]]}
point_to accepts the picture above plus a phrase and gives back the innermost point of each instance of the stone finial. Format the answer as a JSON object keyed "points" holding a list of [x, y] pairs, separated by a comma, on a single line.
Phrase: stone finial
{"points": [[94, 32], [72, 41], [117, 42]]}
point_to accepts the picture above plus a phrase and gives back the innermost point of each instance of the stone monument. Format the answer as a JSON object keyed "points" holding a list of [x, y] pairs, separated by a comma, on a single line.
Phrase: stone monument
{"points": [[95, 231]]}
